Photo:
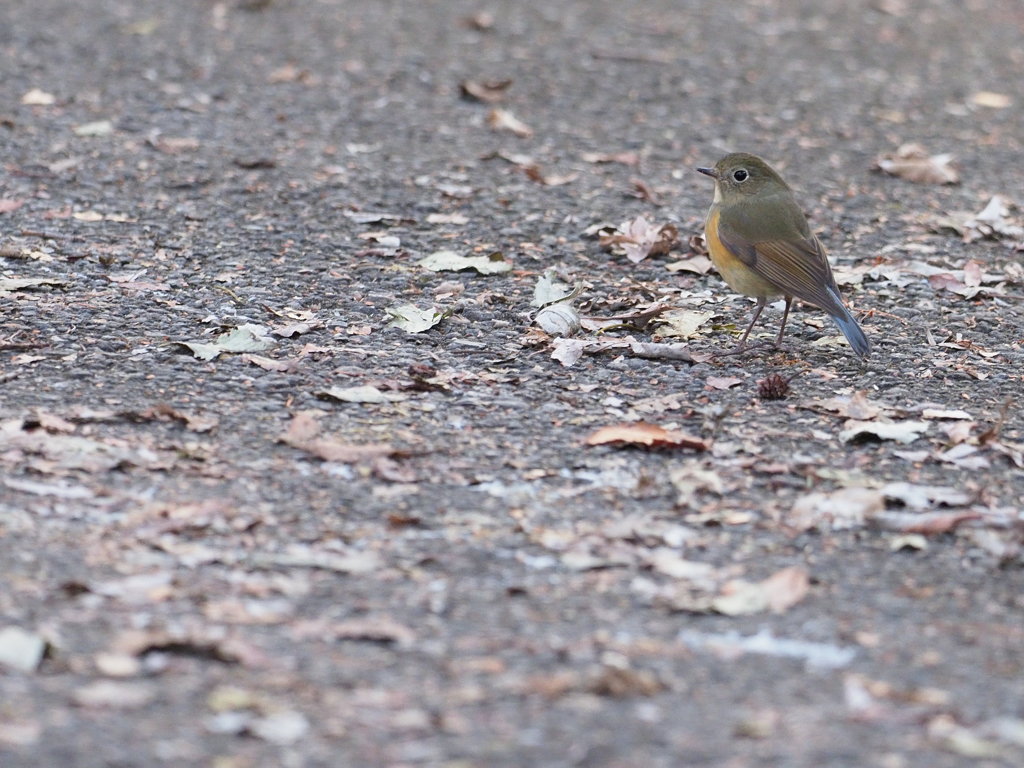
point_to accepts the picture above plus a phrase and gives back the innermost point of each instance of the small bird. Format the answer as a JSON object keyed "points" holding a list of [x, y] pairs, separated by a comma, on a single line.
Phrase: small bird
{"points": [[761, 244]]}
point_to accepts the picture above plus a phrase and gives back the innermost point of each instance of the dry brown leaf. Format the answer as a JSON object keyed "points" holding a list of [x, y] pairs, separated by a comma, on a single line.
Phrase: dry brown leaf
{"points": [[927, 523], [644, 434], [569, 351], [174, 145], [722, 382], [303, 433], [698, 264], [778, 593], [837, 510], [620, 682], [626, 158], [503, 120], [993, 222], [913, 163], [856, 406], [270, 364], [534, 173]]}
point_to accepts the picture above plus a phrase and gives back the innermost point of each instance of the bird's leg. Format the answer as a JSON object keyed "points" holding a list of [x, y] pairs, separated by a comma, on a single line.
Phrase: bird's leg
{"points": [[757, 313], [785, 316], [742, 345]]}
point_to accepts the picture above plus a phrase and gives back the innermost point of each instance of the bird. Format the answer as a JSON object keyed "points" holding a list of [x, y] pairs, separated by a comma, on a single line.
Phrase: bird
{"points": [[760, 242]]}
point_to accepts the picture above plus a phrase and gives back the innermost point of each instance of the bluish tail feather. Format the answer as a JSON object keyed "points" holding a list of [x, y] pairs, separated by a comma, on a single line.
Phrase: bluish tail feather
{"points": [[858, 341]]}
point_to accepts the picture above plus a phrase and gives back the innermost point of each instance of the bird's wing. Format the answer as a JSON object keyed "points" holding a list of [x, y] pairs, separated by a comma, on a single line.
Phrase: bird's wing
{"points": [[798, 267]]}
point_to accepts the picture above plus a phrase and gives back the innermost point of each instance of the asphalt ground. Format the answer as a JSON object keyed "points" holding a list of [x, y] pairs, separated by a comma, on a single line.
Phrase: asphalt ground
{"points": [[218, 562]]}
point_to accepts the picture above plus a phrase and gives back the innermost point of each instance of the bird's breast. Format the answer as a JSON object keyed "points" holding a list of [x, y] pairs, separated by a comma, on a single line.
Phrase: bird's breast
{"points": [[738, 275]]}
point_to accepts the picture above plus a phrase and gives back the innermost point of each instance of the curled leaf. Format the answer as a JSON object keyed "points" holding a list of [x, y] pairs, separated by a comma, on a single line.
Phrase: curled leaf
{"points": [[913, 163]]}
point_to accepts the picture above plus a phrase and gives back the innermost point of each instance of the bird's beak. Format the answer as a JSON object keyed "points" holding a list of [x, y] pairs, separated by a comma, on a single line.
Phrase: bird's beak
{"points": [[709, 172]]}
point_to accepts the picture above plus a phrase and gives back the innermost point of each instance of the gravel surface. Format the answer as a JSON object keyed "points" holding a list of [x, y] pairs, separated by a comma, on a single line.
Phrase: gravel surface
{"points": [[241, 561]]}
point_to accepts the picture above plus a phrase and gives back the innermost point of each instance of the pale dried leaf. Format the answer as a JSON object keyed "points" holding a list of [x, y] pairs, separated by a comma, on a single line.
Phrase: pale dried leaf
{"points": [[245, 338], [504, 120], [21, 650], [645, 434], [901, 431], [412, 319], [451, 261], [682, 323], [913, 163]]}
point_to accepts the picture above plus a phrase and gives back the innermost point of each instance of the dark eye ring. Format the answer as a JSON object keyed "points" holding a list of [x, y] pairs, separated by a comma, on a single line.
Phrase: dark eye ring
{"points": [[740, 175]]}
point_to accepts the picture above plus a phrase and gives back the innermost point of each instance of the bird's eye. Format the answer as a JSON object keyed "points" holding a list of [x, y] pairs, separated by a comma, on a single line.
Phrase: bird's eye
{"points": [[740, 175]]}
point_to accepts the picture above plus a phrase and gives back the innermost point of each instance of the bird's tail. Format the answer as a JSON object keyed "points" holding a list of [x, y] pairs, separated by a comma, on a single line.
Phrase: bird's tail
{"points": [[858, 341]]}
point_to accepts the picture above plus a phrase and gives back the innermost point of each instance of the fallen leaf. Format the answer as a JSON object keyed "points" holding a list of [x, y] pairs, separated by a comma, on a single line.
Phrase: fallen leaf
{"points": [[559, 319], [363, 394], [450, 261], [174, 145], [991, 99], [621, 682], [901, 431], [640, 238], [56, 490], [625, 158], [38, 98], [637, 318], [925, 496], [671, 563], [567, 351], [856, 406], [908, 541], [281, 728], [114, 694], [486, 91], [944, 413], [447, 218], [373, 217], [244, 338], [50, 453], [97, 128], [913, 163], [722, 382], [691, 478], [8, 284], [304, 433], [995, 221], [549, 291], [699, 265], [412, 319], [534, 173], [9, 206], [503, 120], [291, 73], [836, 510], [21, 650], [681, 323], [731, 644], [778, 593], [291, 330], [270, 364], [645, 434]]}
